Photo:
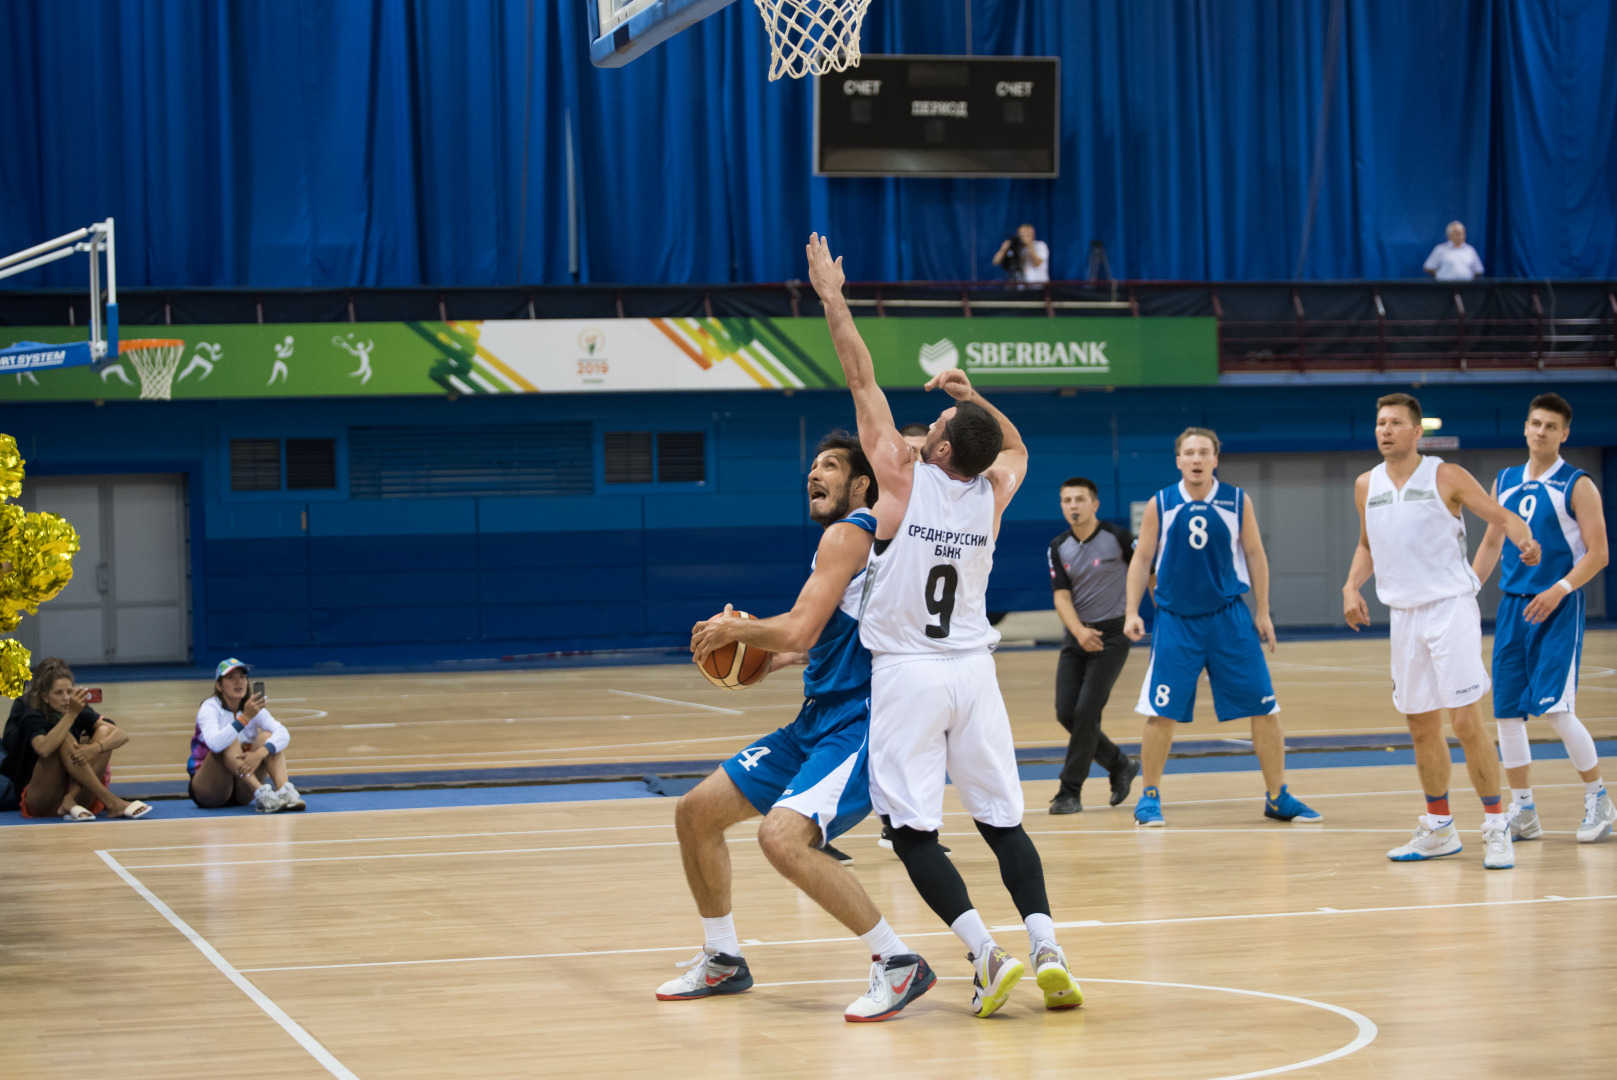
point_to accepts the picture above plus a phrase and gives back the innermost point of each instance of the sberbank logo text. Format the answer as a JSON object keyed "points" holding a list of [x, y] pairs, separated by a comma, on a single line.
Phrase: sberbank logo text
{"points": [[1015, 357]]}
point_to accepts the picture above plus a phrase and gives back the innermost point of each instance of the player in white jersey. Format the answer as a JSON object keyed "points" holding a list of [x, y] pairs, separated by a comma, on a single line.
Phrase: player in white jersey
{"points": [[1538, 635], [935, 706], [1412, 538]]}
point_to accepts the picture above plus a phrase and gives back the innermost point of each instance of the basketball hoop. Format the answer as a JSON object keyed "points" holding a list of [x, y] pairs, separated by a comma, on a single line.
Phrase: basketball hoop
{"points": [[155, 360], [812, 37]]}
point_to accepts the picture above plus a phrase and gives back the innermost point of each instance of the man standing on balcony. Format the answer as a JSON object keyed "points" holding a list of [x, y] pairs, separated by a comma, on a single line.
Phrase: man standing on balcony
{"points": [[1454, 259]]}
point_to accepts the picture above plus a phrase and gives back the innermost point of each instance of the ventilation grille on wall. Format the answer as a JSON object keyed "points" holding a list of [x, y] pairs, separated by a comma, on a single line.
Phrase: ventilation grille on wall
{"points": [[255, 464], [628, 457], [510, 459], [311, 464], [681, 457]]}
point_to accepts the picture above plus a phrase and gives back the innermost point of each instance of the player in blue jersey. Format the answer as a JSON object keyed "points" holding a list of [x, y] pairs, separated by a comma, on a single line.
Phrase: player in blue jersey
{"points": [[1538, 636], [810, 779], [1200, 539]]}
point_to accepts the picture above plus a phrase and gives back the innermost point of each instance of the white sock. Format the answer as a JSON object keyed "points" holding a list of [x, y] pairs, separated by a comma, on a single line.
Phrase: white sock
{"points": [[719, 935], [1594, 787], [1493, 821], [971, 929], [882, 942], [1523, 797], [1041, 930], [1437, 821]]}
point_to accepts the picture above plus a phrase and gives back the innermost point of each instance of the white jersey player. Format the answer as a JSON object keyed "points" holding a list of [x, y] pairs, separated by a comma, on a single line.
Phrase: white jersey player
{"points": [[1412, 537], [936, 709]]}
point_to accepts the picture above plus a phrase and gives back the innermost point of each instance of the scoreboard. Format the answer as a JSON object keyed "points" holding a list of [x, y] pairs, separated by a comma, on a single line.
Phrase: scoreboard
{"points": [[940, 116]]}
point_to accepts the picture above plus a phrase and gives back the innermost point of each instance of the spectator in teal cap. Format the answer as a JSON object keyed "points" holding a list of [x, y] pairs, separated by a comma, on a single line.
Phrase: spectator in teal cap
{"points": [[238, 753]]}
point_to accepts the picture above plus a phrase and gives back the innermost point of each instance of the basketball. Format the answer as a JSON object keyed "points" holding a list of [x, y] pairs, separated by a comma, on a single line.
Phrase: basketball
{"points": [[736, 665]]}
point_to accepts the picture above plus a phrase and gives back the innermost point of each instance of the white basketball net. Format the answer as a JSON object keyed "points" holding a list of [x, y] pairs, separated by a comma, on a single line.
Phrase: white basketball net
{"points": [[156, 364], [812, 37]]}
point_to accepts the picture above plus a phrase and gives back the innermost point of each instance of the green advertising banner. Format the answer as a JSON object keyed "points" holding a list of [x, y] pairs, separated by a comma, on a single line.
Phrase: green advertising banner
{"points": [[195, 362]]}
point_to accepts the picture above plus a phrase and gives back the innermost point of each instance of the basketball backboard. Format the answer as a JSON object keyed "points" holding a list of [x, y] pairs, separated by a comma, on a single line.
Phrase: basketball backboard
{"points": [[623, 29], [95, 240]]}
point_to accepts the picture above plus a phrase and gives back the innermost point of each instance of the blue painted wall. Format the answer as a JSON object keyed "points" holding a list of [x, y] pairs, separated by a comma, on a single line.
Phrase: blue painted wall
{"points": [[299, 578]]}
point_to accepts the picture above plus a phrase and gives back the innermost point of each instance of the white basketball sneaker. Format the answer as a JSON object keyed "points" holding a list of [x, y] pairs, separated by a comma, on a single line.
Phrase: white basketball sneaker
{"points": [[894, 983], [1497, 853], [711, 974], [266, 801], [1599, 815], [1428, 843], [1523, 822], [290, 799]]}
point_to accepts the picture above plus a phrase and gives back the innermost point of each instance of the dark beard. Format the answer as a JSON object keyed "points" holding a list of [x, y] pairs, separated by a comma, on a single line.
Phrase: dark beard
{"points": [[837, 512]]}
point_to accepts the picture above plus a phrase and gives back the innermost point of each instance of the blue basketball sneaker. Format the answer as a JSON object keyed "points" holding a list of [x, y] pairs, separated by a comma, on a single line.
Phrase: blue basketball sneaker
{"points": [[1148, 811], [1288, 807]]}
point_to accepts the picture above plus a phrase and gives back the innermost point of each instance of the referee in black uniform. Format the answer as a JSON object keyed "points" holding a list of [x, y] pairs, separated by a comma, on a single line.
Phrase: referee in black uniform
{"points": [[1089, 565]]}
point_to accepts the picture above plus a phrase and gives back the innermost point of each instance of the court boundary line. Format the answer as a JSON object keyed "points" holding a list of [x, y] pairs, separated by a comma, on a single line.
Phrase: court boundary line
{"points": [[672, 701], [1367, 1029], [1096, 925], [299, 1034]]}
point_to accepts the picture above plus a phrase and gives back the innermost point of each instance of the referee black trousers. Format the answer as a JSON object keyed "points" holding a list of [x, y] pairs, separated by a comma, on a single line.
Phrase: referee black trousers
{"points": [[1084, 682]]}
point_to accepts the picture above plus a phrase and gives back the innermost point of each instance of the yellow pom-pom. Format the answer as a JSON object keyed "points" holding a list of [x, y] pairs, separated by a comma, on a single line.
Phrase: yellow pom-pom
{"points": [[11, 520], [13, 668], [11, 464], [41, 562]]}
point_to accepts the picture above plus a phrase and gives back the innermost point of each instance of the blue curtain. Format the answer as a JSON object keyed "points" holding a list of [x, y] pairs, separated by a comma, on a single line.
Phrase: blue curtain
{"points": [[406, 142]]}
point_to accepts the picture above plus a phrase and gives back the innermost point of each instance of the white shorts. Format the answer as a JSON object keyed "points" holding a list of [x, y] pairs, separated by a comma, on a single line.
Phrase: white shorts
{"points": [[1437, 656], [933, 718]]}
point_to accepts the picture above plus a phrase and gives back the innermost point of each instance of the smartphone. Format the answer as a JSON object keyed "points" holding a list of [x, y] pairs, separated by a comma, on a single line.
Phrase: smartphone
{"points": [[94, 695], [258, 689]]}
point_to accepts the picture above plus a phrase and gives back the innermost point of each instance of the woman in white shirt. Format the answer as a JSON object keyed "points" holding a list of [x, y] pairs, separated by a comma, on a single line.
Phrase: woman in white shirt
{"points": [[238, 753]]}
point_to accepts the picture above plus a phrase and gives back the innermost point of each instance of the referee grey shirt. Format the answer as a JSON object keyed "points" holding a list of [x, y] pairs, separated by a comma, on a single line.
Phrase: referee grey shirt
{"points": [[1095, 571]]}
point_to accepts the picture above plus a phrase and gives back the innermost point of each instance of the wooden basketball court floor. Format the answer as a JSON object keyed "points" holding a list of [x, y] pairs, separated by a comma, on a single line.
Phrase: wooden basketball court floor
{"points": [[525, 939]]}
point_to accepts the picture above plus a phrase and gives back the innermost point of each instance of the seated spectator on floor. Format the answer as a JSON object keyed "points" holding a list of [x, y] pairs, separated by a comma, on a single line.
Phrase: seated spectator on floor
{"points": [[1454, 259], [238, 753], [59, 750]]}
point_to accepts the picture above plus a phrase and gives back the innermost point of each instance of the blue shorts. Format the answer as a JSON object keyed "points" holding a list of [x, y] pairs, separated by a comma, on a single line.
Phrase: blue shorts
{"points": [[1225, 642], [817, 765], [1535, 665]]}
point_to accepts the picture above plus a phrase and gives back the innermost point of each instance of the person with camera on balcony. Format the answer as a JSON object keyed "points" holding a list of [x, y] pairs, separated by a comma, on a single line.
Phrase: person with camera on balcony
{"points": [[1024, 257]]}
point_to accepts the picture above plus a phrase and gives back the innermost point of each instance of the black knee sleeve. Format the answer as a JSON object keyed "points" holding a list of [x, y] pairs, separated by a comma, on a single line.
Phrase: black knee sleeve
{"points": [[1019, 867], [931, 872]]}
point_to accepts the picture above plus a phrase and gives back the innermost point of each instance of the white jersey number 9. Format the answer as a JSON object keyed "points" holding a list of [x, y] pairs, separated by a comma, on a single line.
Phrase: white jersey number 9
{"points": [[1526, 507], [940, 587]]}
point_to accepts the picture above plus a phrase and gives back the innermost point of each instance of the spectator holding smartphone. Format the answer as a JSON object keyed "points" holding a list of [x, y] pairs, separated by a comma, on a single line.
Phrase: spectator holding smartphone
{"points": [[238, 754], [59, 750]]}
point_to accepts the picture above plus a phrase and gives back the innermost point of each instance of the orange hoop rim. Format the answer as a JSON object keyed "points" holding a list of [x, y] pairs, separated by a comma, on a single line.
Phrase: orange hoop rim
{"points": [[149, 343]]}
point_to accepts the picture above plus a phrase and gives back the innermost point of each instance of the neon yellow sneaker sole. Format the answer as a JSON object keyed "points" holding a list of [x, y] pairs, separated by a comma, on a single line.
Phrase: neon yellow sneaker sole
{"points": [[1009, 976], [1060, 988]]}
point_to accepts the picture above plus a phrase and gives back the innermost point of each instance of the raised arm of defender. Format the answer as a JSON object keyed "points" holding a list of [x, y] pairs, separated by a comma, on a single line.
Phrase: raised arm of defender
{"points": [[889, 454]]}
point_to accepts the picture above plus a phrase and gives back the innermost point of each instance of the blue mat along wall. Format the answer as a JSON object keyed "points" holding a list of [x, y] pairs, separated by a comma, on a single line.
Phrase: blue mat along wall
{"points": [[377, 580]]}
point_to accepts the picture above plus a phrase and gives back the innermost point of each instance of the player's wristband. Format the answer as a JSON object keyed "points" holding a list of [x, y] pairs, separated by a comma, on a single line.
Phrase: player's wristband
{"points": [[1565, 584]]}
